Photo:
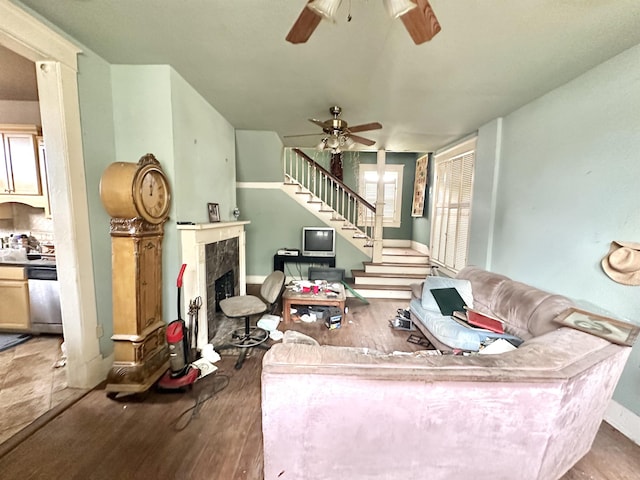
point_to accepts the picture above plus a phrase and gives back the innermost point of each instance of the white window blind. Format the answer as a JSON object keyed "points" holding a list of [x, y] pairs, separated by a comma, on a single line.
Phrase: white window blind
{"points": [[452, 206]]}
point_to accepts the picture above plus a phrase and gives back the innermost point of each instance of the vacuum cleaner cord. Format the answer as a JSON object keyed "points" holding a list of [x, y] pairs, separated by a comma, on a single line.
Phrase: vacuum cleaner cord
{"points": [[203, 396]]}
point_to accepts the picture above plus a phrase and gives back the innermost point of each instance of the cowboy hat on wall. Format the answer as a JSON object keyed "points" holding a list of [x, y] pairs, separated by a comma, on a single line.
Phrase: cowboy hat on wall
{"points": [[622, 263]]}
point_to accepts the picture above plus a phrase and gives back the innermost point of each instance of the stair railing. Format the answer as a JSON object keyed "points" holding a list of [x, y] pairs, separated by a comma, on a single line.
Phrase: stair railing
{"points": [[347, 206]]}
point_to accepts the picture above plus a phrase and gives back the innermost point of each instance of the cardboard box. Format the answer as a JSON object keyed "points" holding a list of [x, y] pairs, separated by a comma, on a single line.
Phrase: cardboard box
{"points": [[333, 318]]}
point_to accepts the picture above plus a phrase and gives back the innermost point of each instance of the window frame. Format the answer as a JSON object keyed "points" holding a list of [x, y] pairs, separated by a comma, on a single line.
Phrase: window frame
{"points": [[451, 207], [398, 170]]}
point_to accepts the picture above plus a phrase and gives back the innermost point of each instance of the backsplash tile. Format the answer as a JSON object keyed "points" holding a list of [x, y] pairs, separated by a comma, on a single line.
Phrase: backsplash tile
{"points": [[27, 219]]}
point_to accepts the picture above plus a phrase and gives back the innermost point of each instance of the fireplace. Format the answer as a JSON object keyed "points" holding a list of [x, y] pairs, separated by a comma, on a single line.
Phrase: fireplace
{"points": [[221, 267], [215, 255]]}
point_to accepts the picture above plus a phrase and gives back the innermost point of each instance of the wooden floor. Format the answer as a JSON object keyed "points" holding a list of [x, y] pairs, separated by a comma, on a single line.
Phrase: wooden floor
{"points": [[157, 436]]}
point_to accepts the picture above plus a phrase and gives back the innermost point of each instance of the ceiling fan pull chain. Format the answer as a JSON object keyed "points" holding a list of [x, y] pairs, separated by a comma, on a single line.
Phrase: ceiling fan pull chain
{"points": [[349, 14]]}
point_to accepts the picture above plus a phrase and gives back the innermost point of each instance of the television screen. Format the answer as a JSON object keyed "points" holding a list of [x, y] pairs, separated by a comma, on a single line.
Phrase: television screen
{"points": [[319, 241]]}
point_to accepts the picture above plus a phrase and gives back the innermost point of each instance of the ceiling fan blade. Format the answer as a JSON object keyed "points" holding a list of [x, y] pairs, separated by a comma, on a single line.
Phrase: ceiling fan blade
{"points": [[320, 123], [362, 140], [421, 22], [306, 23], [365, 126]]}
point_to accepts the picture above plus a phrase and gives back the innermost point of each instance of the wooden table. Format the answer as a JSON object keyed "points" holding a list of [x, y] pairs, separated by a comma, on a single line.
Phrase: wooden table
{"points": [[290, 297]]}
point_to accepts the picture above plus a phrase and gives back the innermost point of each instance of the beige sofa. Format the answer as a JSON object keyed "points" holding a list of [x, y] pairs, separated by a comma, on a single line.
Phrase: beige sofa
{"points": [[342, 413]]}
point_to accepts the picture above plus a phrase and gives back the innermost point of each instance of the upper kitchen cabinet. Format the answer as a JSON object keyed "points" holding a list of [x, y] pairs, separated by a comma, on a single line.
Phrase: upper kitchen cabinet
{"points": [[23, 170]]}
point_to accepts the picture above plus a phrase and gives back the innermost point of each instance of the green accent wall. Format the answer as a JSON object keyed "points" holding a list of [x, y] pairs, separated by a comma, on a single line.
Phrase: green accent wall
{"points": [[567, 186], [276, 219], [350, 164], [98, 144], [157, 111], [261, 153]]}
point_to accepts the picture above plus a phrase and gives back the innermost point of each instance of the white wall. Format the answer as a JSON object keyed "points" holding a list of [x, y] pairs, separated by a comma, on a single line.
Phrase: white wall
{"points": [[568, 185]]}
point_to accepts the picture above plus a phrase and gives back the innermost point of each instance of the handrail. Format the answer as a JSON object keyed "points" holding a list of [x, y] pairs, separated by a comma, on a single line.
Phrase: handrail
{"points": [[335, 179]]}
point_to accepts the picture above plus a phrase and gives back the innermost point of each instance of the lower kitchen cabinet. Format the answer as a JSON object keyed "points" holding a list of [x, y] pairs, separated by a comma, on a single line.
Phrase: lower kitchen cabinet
{"points": [[14, 298]]}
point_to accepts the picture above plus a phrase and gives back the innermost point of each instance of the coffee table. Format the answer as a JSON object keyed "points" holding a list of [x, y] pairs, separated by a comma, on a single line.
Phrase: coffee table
{"points": [[290, 297]]}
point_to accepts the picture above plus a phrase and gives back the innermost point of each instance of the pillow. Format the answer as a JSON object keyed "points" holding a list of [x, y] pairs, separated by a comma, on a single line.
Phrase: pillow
{"points": [[463, 287]]}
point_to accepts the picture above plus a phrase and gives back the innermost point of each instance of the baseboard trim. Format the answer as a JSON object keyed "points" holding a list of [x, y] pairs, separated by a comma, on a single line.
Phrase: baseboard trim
{"points": [[623, 420], [420, 247]]}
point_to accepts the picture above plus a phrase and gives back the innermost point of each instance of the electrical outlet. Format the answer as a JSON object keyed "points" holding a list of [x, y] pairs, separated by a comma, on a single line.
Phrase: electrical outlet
{"points": [[99, 331]]}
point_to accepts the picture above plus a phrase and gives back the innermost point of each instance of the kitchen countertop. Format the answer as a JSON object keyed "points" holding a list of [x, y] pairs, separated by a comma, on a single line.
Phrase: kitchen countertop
{"points": [[43, 262]]}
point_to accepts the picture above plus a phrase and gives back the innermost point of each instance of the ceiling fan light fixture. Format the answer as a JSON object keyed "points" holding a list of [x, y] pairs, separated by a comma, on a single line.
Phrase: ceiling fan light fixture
{"points": [[397, 8], [325, 8], [333, 142], [322, 145], [349, 143]]}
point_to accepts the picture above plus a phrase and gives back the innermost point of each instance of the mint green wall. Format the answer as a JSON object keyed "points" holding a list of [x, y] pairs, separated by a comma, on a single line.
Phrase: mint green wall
{"points": [[276, 220], [156, 111], [143, 124], [204, 156], [261, 154], [350, 169], [421, 226], [98, 144], [567, 186]]}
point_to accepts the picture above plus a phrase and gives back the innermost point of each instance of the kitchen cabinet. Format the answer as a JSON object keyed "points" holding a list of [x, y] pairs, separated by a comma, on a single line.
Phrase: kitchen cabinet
{"points": [[14, 298], [22, 166]]}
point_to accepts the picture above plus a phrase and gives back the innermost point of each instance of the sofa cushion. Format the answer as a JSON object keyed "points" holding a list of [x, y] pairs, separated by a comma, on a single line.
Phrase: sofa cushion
{"points": [[484, 284], [463, 287]]}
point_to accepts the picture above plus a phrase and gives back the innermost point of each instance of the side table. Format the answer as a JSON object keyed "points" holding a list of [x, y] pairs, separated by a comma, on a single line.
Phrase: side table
{"points": [[290, 297]]}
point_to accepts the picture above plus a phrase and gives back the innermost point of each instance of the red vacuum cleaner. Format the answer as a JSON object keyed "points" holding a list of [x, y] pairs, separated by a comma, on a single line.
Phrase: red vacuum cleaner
{"points": [[180, 374]]}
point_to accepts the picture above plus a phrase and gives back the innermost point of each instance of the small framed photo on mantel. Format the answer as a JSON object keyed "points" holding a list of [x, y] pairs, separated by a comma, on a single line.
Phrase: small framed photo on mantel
{"points": [[615, 331], [214, 212]]}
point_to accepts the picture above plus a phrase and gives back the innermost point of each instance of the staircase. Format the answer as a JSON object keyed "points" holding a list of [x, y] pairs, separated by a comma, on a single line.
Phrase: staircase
{"points": [[355, 219], [392, 277]]}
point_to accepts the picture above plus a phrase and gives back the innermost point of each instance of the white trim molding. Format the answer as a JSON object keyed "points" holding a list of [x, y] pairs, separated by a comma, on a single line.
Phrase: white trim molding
{"points": [[56, 69], [623, 420], [260, 185]]}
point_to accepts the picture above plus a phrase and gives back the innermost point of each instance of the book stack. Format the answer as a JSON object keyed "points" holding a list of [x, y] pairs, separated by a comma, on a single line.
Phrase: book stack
{"points": [[474, 318]]}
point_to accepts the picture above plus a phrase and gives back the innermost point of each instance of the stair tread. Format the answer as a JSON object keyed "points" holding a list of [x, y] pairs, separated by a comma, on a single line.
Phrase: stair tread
{"points": [[359, 286], [396, 264], [362, 273]]}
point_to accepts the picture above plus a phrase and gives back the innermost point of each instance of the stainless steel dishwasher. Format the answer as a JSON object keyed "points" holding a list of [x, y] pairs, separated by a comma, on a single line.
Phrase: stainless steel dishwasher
{"points": [[44, 299]]}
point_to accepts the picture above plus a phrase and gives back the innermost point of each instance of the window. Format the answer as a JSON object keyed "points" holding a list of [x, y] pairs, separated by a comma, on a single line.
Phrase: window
{"points": [[368, 188], [452, 205]]}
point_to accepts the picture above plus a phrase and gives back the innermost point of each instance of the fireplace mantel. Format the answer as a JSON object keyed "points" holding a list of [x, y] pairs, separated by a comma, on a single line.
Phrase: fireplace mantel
{"points": [[194, 238]]}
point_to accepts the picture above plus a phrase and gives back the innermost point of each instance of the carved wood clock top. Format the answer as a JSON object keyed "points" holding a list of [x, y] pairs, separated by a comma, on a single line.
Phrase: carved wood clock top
{"points": [[130, 190]]}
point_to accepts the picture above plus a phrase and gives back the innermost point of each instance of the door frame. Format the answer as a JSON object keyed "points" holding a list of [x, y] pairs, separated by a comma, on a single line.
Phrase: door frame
{"points": [[56, 69]]}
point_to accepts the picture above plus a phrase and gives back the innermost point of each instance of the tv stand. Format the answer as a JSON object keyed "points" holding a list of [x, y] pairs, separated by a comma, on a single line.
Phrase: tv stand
{"points": [[280, 260]]}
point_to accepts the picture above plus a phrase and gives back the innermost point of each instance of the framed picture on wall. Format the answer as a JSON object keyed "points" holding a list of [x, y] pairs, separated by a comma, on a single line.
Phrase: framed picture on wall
{"points": [[615, 331], [214, 212], [419, 187]]}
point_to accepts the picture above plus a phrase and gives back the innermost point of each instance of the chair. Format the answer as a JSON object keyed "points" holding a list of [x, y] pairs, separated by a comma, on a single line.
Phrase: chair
{"points": [[245, 306]]}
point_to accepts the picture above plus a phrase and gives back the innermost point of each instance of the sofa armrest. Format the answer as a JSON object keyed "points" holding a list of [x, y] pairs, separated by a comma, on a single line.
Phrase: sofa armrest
{"points": [[556, 355]]}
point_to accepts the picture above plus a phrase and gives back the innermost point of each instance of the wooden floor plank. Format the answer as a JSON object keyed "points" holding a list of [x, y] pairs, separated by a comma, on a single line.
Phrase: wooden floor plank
{"points": [[134, 438]]}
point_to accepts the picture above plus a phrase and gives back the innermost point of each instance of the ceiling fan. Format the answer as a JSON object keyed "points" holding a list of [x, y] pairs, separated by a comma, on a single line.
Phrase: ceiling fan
{"points": [[337, 135], [416, 15]]}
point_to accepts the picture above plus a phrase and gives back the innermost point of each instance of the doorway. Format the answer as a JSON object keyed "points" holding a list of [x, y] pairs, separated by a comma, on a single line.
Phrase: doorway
{"points": [[56, 67]]}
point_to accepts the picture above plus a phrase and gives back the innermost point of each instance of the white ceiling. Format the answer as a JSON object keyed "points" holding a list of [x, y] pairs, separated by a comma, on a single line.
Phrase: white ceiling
{"points": [[491, 57]]}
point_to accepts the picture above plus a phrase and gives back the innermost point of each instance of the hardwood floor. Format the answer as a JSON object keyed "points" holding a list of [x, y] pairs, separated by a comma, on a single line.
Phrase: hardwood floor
{"points": [[146, 437]]}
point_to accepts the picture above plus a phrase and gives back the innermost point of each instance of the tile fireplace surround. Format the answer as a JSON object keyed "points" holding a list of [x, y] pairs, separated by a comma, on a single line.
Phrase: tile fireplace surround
{"points": [[194, 239]]}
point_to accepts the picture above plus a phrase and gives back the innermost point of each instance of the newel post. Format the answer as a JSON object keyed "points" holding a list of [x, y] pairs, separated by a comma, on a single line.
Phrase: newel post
{"points": [[377, 231]]}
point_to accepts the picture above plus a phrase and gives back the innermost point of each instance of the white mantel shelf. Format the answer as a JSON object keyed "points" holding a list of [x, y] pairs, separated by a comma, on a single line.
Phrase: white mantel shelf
{"points": [[194, 239]]}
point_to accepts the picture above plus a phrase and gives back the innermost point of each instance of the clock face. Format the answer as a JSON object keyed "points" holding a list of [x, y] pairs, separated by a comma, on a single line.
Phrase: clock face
{"points": [[153, 195]]}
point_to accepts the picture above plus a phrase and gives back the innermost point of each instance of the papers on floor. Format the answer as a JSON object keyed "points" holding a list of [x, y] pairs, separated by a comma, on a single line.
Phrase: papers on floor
{"points": [[500, 345]]}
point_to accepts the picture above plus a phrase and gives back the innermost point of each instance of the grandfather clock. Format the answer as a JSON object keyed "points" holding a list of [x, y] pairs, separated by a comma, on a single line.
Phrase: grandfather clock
{"points": [[137, 197]]}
